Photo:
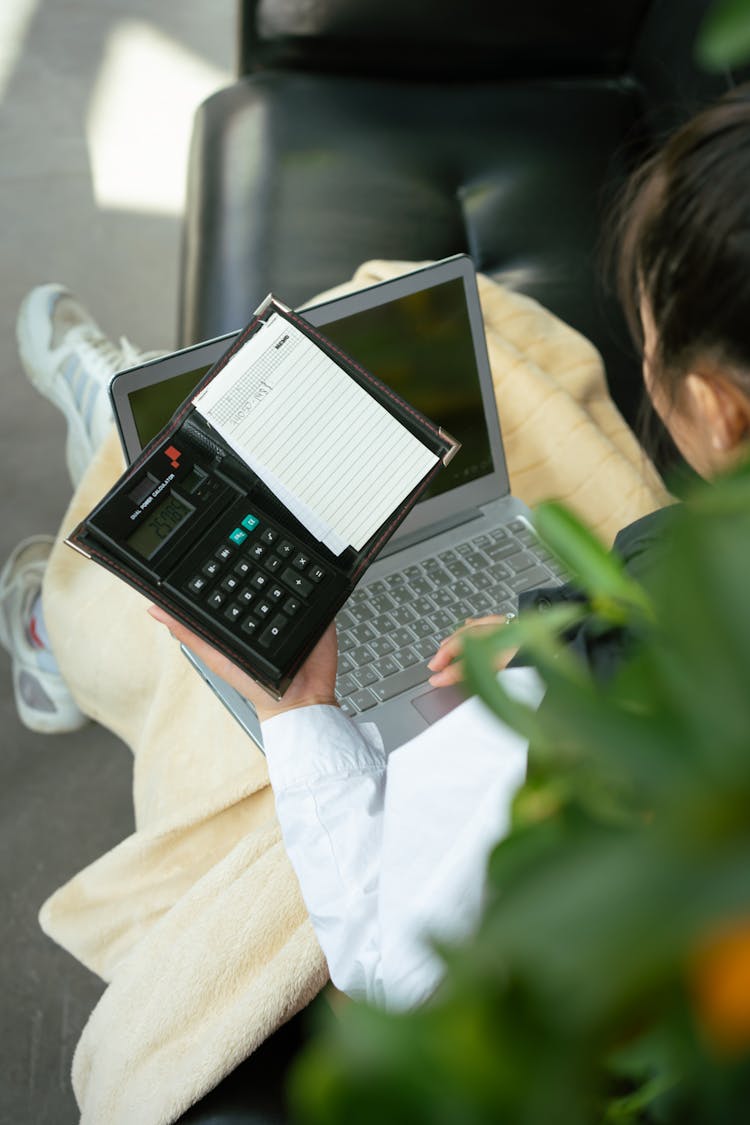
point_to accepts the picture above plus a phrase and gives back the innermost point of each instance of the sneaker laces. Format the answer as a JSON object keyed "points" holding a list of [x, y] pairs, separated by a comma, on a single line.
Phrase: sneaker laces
{"points": [[101, 357]]}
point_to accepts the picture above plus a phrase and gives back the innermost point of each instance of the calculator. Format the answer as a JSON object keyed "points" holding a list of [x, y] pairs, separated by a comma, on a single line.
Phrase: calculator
{"points": [[204, 533]]}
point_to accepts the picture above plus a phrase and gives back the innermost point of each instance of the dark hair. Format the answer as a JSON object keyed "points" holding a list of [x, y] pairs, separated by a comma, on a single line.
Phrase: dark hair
{"points": [[684, 245]]}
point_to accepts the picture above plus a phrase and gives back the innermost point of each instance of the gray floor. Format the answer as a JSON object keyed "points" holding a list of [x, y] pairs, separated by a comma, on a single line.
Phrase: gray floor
{"points": [[96, 99]]}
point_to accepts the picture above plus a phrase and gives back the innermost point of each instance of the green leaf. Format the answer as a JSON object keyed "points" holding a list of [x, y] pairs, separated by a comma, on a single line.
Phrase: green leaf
{"points": [[723, 40], [598, 572], [536, 633]]}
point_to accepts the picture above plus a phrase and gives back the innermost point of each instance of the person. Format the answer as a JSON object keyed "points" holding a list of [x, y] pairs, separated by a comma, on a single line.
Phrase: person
{"points": [[390, 850], [683, 276]]}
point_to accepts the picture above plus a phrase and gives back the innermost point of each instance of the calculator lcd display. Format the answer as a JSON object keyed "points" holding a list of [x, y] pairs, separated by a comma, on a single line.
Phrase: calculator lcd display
{"points": [[159, 526]]}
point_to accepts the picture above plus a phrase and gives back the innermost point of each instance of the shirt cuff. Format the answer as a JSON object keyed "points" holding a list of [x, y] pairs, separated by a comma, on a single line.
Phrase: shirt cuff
{"points": [[307, 743]]}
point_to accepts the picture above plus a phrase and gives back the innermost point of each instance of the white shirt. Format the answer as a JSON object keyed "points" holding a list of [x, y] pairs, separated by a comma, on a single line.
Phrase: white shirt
{"points": [[392, 849]]}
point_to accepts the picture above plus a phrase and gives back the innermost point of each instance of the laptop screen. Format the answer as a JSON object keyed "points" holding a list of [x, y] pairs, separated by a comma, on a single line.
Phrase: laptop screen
{"points": [[419, 344]]}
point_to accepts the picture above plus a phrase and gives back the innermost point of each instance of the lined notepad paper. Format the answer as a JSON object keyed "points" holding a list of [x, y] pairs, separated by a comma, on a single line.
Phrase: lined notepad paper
{"points": [[335, 457]]}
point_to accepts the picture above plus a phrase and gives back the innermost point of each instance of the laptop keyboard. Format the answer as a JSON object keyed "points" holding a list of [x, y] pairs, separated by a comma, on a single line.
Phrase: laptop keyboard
{"points": [[389, 629]]}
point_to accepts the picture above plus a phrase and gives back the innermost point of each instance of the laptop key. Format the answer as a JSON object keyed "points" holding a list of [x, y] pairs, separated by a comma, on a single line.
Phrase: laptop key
{"points": [[457, 569], [384, 624], [363, 699], [362, 655], [484, 602], [385, 667], [361, 611], [363, 633], [421, 585], [400, 682], [443, 621], [402, 637], [477, 560], [404, 615], [538, 576], [381, 646], [421, 607], [407, 656], [427, 647], [346, 685], [521, 561], [497, 551], [346, 642], [381, 603], [344, 619], [366, 675]]}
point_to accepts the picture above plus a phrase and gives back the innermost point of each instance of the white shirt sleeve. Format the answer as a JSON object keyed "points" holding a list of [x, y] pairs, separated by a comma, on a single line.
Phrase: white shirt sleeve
{"points": [[391, 850]]}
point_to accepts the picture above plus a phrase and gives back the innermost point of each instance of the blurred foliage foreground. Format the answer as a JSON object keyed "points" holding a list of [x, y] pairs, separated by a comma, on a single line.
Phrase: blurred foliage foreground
{"points": [[609, 980]]}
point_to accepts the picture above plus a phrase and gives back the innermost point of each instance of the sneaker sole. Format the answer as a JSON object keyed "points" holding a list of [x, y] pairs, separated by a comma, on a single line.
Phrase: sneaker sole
{"points": [[41, 722]]}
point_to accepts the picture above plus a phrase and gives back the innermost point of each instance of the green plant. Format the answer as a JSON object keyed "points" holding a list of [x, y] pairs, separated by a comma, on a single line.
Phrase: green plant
{"points": [[724, 38], [609, 979]]}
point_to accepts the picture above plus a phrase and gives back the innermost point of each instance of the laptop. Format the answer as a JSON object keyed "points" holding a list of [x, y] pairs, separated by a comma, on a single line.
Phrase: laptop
{"points": [[466, 549]]}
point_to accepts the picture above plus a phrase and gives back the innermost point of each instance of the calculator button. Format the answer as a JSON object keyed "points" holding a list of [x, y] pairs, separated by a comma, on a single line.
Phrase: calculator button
{"points": [[292, 606], [300, 561], [263, 609], [243, 568], [273, 631], [316, 573], [234, 611], [249, 626], [259, 581], [250, 522], [297, 583], [274, 563], [230, 583], [269, 535], [276, 593], [224, 552], [212, 567], [285, 549], [246, 596], [217, 599], [238, 536], [257, 551], [198, 584]]}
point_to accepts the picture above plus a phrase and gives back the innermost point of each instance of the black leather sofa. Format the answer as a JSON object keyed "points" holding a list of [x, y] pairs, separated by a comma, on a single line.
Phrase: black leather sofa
{"points": [[412, 130]]}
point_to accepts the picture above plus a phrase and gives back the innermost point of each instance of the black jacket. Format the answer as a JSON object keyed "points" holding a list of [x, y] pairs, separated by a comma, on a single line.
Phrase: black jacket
{"points": [[638, 546]]}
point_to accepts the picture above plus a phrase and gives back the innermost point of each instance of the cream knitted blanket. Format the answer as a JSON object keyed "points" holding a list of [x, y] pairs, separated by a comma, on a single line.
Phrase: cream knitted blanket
{"points": [[196, 920]]}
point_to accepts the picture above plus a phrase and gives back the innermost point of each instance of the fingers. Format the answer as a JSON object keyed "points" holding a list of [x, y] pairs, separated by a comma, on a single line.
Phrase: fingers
{"points": [[446, 653], [314, 683], [445, 665]]}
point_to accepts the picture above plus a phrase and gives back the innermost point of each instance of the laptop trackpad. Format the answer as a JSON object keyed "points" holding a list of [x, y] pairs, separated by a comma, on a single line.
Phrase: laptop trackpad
{"points": [[438, 702]]}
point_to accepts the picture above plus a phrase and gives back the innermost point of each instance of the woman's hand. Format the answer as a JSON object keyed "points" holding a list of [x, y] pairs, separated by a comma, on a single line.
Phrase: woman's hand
{"points": [[314, 682], [446, 666]]}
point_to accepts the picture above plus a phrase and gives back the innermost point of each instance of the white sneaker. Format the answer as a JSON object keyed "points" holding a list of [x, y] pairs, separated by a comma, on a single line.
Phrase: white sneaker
{"points": [[71, 362], [42, 698]]}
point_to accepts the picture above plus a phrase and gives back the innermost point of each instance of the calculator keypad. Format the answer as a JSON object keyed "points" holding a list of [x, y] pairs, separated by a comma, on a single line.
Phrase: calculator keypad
{"points": [[257, 580]]}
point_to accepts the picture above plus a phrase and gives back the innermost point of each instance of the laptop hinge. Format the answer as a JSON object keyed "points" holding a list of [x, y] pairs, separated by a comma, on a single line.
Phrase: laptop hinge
{"points": [[429, 532]]}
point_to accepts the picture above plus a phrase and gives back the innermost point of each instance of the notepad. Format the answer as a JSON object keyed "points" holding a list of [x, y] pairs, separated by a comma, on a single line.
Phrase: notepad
{"points": [[337, 459]]}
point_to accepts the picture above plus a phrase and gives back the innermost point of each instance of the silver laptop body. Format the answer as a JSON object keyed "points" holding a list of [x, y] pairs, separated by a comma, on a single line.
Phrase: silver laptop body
{"points": [[466, 549]]}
